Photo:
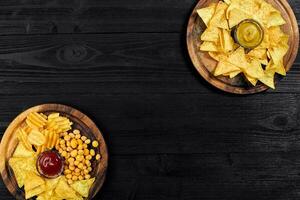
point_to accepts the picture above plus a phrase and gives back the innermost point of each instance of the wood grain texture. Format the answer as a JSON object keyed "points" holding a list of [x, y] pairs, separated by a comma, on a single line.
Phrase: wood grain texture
{"points": [[170, 135], [81, 122], [206, 65]]}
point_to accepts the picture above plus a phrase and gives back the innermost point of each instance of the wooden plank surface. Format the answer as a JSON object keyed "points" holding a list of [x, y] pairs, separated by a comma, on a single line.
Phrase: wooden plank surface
{"points": [[169, 133]]}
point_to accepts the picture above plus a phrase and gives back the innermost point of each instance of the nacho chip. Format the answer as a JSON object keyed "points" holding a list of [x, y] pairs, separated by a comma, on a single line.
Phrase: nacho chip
{"points": [[46, 195], [22, 151], [253, 81], [277, 35], [224, 67], [211, 34], [235, 16], [83, 186], [219, 18], [209, 46], [247, 6], [275, 19], [268, 78], [207, 13], [258, 53], [226, 40], [278, 68], [32, 180], [52, 183], [254, 70], [238, 58], [20, 165], [18, 171], [218, 55], [227, 2], [277, 53], [34, 192], [234, 74], [63, 190]]}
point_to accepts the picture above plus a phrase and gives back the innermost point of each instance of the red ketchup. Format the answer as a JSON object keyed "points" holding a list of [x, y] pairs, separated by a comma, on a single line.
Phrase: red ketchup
{"points": [[50, 164]]}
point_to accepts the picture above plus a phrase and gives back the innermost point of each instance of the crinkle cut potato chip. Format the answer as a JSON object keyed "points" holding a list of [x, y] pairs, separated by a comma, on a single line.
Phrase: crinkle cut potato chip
{"points": [[258, 64], [35, 137]]}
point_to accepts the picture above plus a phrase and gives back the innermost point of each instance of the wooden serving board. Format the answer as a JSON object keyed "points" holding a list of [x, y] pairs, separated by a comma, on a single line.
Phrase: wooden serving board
{"points": [[205, 65], [81, 122]]}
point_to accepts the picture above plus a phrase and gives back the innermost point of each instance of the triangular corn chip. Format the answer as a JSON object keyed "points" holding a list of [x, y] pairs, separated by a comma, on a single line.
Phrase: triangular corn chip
{"points": [[226, 40], [210, 34], [209, 46], [207, 13], [235, 16], [224, 67], [238, 58], [219, 18], [34, 192], [278, 68], [268, 78], [32, 180], [63, 190], [22, 151], [253, 81], [83, 186]]}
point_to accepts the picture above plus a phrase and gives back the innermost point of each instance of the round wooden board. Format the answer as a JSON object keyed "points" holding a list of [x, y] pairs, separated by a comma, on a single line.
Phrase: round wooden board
{"points": [[81, 122], [205, 65]]}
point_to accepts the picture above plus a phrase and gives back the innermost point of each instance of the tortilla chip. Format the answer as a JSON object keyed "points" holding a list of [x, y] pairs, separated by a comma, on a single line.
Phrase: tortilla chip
{"points": [[278, 68], [235, 16], [35, 191], [253, 81], [22, 151], [277, 35], [254, 70], [258, 53], [219, 18], [247, 6], [275, 19], [20, 166], [46, 195], [209, 46], [218, 55], [268, 78], [234, 74], [224, 67], [277, 53], [63, 190], [32, 180], [207, 13], [83, 187], [226, 40], [227, 2], [210, 34], [238, 58]]}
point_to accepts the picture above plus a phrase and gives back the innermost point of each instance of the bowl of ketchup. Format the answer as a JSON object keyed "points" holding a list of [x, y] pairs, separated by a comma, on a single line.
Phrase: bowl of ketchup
{"points": [[50, 164]]}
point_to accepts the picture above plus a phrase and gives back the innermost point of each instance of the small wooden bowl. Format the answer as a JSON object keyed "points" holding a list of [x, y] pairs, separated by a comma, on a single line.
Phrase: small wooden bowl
{"points": [[205, 65], [81, 122]]}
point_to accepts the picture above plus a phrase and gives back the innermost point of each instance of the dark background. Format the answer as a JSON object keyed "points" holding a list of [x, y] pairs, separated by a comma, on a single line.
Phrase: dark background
{"points": [[171, 136]]}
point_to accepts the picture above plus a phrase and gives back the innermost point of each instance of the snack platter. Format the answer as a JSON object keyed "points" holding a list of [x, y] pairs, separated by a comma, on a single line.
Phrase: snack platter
{"points": [[38, 158], [225, 62]]}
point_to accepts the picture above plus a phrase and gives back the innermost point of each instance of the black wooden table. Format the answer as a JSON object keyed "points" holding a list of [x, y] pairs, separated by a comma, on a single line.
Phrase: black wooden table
{"points": [[171, 136]]}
